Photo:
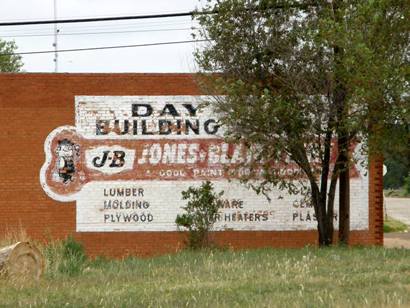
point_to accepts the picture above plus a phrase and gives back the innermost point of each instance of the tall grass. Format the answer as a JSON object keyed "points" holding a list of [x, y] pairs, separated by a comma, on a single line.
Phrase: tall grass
{"points": [[308, 277], [65, 257], [13, 235]]}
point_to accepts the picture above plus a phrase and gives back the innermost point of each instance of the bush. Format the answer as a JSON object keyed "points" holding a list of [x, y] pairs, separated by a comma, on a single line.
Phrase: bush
{"points": [[73, 257], [200, 213], [406, 185]]}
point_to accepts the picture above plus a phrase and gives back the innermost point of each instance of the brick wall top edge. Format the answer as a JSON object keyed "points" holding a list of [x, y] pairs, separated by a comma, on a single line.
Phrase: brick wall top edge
{"points": [[93, 75], [58, 89]]}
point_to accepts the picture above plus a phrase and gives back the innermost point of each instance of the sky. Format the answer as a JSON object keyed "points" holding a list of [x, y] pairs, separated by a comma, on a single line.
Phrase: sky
{"points": [[168, 58]]}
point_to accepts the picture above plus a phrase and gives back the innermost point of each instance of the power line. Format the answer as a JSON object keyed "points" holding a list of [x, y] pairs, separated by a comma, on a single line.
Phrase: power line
{"points": [[151, 16], [121, 25], [100, 32], [101, 48], [65, 21], [96, 15]]}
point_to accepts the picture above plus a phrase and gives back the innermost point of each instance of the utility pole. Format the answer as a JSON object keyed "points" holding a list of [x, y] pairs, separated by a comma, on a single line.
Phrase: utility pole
{"points": [[55, 38]]}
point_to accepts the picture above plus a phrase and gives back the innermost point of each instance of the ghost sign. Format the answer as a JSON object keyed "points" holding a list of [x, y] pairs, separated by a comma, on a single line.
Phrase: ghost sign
{"points": [[128, 158]]}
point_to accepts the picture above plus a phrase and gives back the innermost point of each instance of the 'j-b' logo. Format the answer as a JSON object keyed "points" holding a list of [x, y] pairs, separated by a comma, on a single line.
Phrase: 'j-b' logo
{"points": [[115, 159]]}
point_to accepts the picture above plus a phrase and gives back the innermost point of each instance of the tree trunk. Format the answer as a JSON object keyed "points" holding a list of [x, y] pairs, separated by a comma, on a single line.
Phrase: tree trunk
{"points": [[344, 183], [340, 94], [320, 211], [344, 209], [21, 261]]}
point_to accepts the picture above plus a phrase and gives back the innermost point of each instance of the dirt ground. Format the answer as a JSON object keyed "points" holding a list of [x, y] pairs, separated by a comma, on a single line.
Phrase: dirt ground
{"points": [[397, 240], [398, 208]]}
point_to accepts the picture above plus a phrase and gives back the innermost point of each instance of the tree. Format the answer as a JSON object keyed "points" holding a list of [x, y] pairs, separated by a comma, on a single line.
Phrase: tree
{"points": [[397, 160], [9, 62], [300, 75]]}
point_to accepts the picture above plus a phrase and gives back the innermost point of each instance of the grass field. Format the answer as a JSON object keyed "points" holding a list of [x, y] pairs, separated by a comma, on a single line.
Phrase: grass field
{"points": [[393, 225], [396, 193], [309, 277]]}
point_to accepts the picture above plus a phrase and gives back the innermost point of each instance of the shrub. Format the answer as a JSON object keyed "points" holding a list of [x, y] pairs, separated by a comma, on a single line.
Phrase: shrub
{"points": [[200, 213], [406, 185], [73, 257]]}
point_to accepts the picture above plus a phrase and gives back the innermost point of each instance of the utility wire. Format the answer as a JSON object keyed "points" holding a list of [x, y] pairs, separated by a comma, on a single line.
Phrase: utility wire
{"points": [[101, 48], [66, 21], [100, 32], [151, 16], [120, 26]]}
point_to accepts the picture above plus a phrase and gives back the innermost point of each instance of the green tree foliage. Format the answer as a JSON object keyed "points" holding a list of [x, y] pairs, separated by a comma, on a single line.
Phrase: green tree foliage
{"points": [[200, 213], [9, 62], [406, 184], [397, 159], [300, 74], [396, 173]]}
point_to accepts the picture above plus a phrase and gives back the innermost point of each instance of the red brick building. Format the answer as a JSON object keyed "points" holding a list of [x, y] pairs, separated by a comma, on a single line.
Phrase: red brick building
{"points": [[33, 105]]}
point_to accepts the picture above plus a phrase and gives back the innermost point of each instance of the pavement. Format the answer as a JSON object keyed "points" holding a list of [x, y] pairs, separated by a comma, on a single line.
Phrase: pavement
{"points": [[398, 208]]}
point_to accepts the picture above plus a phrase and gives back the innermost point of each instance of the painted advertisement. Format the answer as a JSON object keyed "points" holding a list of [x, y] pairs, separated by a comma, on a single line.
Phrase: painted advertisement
{"points": [[128, 158]]}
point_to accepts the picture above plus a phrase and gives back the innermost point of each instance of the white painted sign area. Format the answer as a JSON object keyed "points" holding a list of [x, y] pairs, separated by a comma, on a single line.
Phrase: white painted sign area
{"points": [[128, 159], [153, 206]]}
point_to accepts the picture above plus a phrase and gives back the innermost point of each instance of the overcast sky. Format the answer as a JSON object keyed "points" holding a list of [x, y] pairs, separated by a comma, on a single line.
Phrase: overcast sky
{"points": [[168, 58]]}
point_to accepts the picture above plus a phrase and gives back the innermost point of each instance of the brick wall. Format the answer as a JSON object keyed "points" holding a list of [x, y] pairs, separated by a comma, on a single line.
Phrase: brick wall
{"points": [[32, 105]]}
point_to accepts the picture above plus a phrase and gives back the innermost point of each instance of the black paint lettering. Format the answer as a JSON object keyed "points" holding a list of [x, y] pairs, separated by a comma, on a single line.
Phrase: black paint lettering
{"points": [[179, 128], [191, 109], [103, 160], [135, 127], [211, 130], [117, 127], [127, 217], [193, 127], [169, 109], [145, 129], [141, 110], [102, 127], [164, 124], [118, 159]]}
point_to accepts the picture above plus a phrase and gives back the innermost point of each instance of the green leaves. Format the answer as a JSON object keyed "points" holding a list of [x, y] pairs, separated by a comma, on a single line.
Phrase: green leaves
{"points": [[280, 63], [297, 73], [200, 213], [9, 62]]}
